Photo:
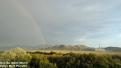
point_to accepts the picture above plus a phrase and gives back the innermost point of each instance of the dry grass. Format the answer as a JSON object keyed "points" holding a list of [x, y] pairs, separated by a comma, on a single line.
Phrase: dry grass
{"points": [[81, 52]]}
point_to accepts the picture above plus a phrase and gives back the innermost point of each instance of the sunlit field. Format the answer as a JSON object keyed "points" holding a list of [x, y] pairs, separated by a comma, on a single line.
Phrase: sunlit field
{"points": [[80, 52]]}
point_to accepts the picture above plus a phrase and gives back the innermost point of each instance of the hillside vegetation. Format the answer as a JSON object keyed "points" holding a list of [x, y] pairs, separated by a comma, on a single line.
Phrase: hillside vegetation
{"points": [[62, 60], [82, 48]]}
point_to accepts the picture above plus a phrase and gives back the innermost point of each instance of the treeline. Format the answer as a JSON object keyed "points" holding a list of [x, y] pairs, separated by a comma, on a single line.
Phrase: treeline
{"points": [[55, 60], [72, 60], [86, 61]]}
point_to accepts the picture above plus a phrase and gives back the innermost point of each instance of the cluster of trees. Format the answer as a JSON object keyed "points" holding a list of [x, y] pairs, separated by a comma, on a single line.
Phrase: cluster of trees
{"points": [[21, 55], [87, 61], [69, 60]]}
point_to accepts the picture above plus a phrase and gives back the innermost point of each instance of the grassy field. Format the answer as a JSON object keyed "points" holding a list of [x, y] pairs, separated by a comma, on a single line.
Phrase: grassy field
{"points": [[81, 59], [80, 52]]}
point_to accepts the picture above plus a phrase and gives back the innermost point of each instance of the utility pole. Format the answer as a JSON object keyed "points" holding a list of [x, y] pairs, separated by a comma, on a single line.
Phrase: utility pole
{"points": [[99, 45]]}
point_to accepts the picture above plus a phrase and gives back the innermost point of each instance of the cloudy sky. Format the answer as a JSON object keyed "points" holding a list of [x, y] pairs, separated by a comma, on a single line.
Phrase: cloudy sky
{"points": [[35, 22]]}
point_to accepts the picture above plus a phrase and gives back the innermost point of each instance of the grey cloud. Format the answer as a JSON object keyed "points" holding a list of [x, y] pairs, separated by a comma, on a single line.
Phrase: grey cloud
{"points": [[16, 25], [55, 20], [67, 22]]}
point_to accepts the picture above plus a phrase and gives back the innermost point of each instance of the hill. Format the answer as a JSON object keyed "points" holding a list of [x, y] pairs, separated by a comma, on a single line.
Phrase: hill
{"points": [[70, 47], [113, 48]]}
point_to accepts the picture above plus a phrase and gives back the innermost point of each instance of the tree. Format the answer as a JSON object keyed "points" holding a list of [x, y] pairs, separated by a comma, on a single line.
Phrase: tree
{"points": [[16, 54], [40, 61]]}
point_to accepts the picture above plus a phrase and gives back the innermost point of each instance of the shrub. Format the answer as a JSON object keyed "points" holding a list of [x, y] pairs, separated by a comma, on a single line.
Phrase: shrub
{"points": [[40, 61], [17, 54]]}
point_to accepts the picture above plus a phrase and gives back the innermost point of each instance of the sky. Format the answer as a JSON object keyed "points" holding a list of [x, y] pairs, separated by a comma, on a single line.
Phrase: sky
{"points": [[36, 22]]}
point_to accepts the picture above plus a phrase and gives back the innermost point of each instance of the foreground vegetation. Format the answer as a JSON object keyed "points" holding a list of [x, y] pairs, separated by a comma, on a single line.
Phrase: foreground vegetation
{"points": [[62, 60]]}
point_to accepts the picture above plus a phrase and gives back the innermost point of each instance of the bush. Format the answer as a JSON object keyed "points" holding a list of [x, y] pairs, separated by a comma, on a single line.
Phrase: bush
{"points": [[40, 61], [17, 54]]}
